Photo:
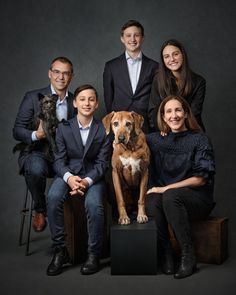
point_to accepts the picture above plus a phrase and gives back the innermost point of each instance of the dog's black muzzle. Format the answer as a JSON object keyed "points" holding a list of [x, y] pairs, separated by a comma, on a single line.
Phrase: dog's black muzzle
{"points": [[121, 138]]}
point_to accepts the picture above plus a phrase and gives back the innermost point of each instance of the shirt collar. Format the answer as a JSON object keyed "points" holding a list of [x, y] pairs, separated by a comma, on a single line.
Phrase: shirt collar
{"points": [[54, 92], [87, 127], [139, 57]]}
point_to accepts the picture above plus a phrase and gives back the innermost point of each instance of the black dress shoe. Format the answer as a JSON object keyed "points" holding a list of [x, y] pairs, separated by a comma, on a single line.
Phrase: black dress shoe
{"points": [[60, 257], [167, 264], [91, 265], [187, 265]]}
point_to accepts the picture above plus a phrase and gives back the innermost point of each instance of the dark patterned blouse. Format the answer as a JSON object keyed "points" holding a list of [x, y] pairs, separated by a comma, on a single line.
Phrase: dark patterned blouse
{"points": [[181, 155]]}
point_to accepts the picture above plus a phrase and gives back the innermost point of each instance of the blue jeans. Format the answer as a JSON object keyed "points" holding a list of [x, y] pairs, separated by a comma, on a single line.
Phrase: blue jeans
{"points": [[36, 171], [57, 195]]}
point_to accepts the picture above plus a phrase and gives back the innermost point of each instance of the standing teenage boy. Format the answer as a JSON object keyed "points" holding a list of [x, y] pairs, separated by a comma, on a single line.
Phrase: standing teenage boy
{"points": [[127, 78]]}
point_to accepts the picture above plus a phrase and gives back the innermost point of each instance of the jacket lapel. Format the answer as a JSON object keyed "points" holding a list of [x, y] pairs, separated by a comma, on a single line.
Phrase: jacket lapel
{"points": [[70, 107], [92, 133], [45, 91], [125, 75], [144, 68], [76, 132]]}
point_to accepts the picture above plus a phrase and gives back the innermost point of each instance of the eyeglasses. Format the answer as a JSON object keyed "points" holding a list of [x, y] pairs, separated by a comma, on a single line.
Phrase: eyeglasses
{"points": [[57, 73]]}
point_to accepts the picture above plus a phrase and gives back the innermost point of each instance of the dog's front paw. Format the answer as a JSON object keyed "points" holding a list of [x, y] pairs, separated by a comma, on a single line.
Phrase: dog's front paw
{"points": [[124, 220], [142, 218]]}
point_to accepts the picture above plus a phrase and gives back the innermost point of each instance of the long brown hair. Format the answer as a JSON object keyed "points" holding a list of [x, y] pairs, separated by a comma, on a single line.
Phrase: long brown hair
{"points": [[190, 121], [166, 80]]}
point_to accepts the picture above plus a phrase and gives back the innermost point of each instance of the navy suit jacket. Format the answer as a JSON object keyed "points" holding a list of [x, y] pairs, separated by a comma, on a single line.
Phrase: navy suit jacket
{"points": [[28, 109], [118, 93], [89, 161]]}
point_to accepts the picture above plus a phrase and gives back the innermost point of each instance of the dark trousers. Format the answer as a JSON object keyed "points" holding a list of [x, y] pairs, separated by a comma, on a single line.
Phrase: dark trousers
{"points": [[36, 171], [57, 195], [176, 207]]}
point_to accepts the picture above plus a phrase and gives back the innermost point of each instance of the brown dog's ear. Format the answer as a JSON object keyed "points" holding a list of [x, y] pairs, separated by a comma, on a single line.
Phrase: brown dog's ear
{"points": [[107, 122], [138, 122]]}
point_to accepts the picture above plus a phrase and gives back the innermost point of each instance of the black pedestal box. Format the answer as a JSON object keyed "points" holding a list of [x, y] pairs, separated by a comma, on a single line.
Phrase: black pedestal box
{"points": [[134, 249]]}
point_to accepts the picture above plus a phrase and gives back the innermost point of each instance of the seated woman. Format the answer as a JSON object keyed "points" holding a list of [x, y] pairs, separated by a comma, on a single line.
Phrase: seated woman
{"points": [[181, 181]]}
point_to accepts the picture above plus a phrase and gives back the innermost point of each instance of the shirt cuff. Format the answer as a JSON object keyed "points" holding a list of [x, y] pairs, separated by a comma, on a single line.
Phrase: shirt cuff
{"points": [[33, 136], [66, 176], [89, 180]]}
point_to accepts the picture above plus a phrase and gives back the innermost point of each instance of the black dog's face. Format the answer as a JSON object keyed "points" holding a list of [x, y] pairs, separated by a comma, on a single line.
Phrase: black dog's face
{"points": [[48, 104]]}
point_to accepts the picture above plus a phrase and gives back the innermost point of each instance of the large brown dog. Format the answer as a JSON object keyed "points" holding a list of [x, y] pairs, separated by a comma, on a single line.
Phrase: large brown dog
{"points": [[130, 160]]}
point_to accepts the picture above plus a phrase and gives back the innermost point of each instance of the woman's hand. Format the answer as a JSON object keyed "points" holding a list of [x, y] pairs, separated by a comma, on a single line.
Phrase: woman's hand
{"points": [[157, 189], [193, 181], [163, 133]]}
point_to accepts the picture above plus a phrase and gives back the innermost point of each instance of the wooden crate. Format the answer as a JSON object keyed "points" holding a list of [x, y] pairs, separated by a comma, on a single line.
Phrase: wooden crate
{"points": [[76, 230], [210, 239]]}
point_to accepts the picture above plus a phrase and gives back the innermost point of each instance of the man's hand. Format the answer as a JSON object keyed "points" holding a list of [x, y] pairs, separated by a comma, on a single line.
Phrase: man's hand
{"points": [[40, 134]]}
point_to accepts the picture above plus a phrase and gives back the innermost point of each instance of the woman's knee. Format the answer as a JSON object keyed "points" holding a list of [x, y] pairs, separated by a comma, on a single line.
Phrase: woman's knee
{"points": [[153, 203], [170, 198]]}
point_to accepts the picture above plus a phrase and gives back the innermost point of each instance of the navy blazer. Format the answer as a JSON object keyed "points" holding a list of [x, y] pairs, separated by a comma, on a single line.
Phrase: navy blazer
{"points": [[27, 110], [89, 161], [118, 93]]}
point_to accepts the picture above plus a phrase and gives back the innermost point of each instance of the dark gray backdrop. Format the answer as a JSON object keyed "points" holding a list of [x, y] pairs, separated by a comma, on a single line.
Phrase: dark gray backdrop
{"points": [[34, 32]]}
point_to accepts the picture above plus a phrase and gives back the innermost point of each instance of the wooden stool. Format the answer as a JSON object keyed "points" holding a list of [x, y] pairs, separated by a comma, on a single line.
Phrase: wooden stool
{"points": [[76, 230], [210, 238], [26, 213]]}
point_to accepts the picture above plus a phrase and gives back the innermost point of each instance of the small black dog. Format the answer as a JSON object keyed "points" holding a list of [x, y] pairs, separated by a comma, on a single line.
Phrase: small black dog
{"points": [[47, 114]]}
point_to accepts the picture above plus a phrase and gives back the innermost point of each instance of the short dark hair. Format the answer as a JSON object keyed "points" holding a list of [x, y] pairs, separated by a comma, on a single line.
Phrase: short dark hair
{"points": [[85, 87], [132, 23], [64, 60]]}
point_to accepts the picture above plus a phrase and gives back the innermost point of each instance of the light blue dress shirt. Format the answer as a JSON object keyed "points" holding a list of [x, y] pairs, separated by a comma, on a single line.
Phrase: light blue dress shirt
{"points": [[134, 68]]}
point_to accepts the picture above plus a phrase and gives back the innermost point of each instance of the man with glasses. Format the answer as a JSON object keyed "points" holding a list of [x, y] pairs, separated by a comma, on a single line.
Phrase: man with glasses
{"points": [[35, 165]]}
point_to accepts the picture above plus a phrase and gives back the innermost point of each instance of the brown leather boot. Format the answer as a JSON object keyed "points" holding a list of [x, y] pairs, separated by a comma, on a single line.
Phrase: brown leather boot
{"points": [[39, 221]]}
